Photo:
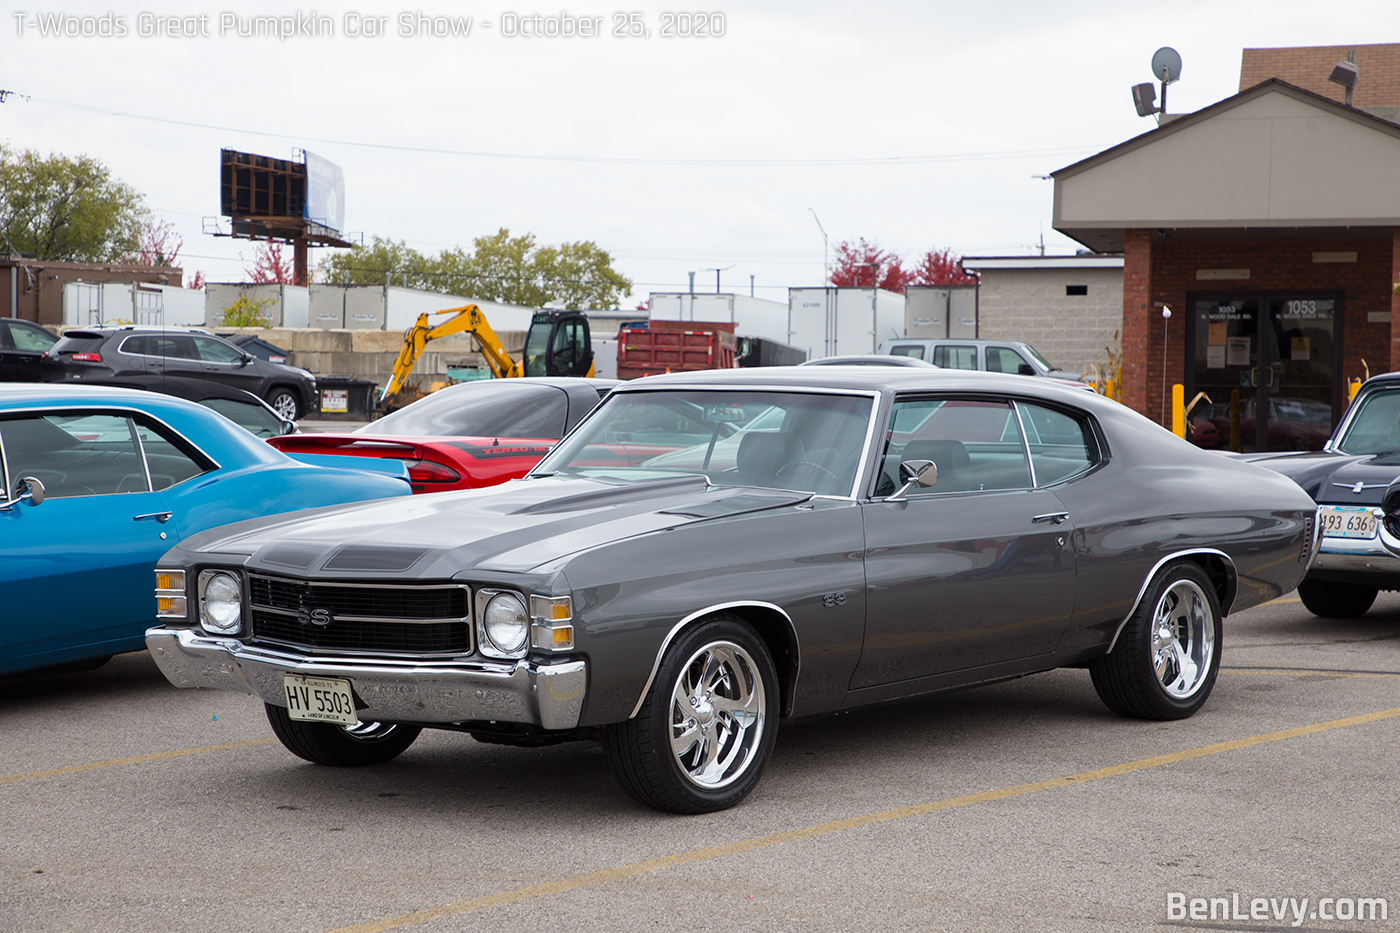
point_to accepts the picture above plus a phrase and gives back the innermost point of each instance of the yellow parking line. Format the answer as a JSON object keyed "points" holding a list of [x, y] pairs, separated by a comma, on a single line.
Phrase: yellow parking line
{"points": [[73, 769], [821, 829], [1307, 672]]}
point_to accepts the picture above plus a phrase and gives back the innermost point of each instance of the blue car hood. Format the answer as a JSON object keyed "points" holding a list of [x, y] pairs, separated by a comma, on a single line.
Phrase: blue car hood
{"points": [[516, 527], [1333, 477]]}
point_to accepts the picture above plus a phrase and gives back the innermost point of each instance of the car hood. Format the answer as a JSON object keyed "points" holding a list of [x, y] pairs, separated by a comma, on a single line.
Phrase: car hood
{"points": [[1333, 477], [513, 528]]}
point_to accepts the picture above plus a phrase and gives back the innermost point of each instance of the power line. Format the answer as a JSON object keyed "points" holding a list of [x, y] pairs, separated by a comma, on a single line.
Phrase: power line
{"points": [[614, 160]]}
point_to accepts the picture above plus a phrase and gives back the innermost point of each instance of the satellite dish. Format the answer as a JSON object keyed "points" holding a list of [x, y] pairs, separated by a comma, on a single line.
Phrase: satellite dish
{"points": [[1166, 65]]}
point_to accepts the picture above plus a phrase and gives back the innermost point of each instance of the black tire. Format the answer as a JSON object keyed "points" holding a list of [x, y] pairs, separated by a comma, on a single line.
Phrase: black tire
{"points": [[1336, 600], [721, 659], [369, 743], [1167, 657], [285, 402]]}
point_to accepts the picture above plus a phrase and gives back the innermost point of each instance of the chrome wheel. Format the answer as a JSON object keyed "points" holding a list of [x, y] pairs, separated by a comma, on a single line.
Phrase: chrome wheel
{"points": [[371, 731], [1183, 639], [717, 715], [706, 726], [1167, 655]]}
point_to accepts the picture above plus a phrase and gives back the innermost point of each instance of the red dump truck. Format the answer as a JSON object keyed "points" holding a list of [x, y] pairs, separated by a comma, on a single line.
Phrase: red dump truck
{"points": [[674, 346]]}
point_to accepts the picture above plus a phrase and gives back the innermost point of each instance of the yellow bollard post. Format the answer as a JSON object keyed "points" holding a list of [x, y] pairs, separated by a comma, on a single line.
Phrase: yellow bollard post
{"points": [[1111, 389], [1179, 410], [1235, 420], [1352, 389]]}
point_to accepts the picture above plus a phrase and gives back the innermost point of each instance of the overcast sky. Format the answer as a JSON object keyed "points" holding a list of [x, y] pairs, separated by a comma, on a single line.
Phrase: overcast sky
{"points": [[918, 125]]}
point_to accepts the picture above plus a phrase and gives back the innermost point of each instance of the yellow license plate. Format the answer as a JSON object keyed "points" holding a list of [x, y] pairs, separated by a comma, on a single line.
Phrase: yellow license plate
{"points": [[320, 699]]}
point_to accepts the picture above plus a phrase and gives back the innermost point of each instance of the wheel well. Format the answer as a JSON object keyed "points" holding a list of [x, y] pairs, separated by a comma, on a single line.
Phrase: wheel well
{"points": [[1221, 573], [776, 631]]}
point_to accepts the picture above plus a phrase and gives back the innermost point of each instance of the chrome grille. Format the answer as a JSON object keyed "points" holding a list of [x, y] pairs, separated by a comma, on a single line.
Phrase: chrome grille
{"points": [[413, 620]]}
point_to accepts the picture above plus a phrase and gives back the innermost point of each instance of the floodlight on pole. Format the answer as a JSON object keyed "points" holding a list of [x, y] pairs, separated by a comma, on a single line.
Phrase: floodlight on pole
{"points": [[1346, 74], [717, 272]]}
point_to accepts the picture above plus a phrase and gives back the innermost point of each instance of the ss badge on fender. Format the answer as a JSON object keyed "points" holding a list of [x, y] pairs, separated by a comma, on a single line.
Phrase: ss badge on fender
{"points": [[831, 600]]}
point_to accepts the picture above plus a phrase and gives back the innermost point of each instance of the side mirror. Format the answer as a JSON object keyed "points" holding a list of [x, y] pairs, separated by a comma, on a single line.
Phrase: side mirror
{"points": [[289, 427], [27, 488], [915, 473], [1025, 369], [31, 486], [246, 360]]}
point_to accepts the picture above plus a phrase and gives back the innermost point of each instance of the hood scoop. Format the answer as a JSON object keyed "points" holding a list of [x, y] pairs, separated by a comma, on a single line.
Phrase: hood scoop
{"points": [[616, 495], [738, 504], [375, 557]]}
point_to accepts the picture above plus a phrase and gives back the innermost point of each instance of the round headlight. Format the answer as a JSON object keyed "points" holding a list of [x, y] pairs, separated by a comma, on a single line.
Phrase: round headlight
{"points": [[221, 607], [507, 623]]}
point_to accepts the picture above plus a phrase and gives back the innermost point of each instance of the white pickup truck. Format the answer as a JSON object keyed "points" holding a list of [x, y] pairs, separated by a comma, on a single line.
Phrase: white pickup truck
{"points": [[998, 356]]}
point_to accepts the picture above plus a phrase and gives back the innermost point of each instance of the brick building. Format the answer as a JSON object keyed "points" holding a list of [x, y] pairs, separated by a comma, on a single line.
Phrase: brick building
{"points": [[1269, 224], [32, 289], [1377, 89]]}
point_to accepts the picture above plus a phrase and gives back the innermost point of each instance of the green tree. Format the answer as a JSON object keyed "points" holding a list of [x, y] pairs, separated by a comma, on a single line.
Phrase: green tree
{"points": [[62, 208], [580, 275], [384, 260], [499, 267]]}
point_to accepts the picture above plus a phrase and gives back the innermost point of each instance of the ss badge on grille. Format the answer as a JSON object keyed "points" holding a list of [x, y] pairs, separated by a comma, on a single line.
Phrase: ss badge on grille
{"points": [[309, 616]]}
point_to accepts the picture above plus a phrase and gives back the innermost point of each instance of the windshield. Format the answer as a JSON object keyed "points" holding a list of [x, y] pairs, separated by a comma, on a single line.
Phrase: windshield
{"points": [[806, 442], [1375, 428], [1034, 354], [480, 409], [256, 418]]}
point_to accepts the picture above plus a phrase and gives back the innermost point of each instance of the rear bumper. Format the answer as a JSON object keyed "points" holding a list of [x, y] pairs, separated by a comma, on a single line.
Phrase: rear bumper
{"points": [[548, 695]]}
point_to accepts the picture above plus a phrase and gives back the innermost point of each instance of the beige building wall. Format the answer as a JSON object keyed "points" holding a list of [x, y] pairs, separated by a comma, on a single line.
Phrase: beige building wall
{"points": [[1071, 331]]}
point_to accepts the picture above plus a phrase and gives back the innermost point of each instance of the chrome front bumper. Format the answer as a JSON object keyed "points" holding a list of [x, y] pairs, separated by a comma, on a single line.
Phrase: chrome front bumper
{"points": [[1361, 555], [547, 695]]}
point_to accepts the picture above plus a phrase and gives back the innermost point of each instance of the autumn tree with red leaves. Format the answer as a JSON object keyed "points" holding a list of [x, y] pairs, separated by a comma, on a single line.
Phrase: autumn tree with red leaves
{"points": [[942, 267], [856, 264], [270, 266], [158, 246]]}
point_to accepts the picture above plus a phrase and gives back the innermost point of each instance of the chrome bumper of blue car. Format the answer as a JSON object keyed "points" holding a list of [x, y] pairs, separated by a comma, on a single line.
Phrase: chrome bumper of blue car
{"points": [[1364, 555], [547, 695]]}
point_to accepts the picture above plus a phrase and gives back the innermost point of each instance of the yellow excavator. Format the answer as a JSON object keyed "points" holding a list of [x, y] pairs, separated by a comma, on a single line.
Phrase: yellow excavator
{"points": [[558, 343]]}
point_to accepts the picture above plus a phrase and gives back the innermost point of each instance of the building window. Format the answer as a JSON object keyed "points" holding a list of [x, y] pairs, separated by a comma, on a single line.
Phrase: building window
{"points": [[1071, 290]]}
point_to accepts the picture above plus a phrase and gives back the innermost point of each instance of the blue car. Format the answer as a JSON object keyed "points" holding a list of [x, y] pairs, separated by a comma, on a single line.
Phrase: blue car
{"points": [[96, 483]]}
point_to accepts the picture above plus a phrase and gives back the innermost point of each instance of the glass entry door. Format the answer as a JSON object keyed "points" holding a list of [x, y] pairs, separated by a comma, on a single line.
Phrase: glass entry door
{"points": [[1268, 364]]}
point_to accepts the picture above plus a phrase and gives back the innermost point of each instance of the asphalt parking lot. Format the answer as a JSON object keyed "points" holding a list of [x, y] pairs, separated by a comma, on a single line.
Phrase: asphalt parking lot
{"points": [[128, 805]]}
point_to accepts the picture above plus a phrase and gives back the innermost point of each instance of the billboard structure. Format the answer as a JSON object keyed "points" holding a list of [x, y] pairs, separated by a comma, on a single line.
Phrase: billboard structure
{"points": [[301, 203]]}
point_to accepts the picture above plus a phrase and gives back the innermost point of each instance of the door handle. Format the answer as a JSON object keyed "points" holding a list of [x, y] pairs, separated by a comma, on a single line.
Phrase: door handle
{"points": [[1054, 518], [161, 517]]}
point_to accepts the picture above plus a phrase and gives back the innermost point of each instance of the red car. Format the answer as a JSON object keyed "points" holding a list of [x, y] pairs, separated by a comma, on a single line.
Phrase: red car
{"points": [[469, 435]]}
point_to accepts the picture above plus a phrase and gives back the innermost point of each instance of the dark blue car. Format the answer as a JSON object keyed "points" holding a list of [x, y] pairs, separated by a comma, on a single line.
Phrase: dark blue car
{"points": [[97, 483]]}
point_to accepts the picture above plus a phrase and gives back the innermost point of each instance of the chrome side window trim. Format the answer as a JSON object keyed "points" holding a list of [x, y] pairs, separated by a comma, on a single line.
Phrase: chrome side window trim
{"points": [[1151, 574], [718, 607], [1025, 441]]}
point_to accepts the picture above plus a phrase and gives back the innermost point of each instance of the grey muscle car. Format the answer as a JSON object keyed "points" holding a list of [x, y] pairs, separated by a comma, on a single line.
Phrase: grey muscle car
{"points": [[710, 553], [1355, 479]]}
